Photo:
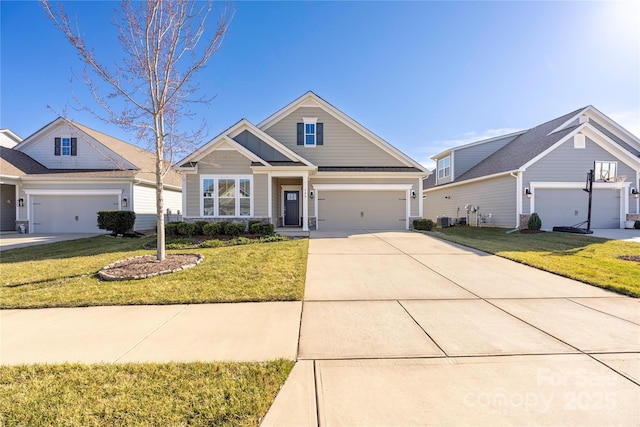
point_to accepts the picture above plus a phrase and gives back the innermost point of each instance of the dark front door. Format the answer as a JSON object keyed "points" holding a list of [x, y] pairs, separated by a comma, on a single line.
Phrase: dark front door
{"points": [[291, 208], [7, 207]]}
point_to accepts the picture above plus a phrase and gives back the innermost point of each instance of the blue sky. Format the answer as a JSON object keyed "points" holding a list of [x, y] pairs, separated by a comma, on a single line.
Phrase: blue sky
{"points": [[424, 76]]}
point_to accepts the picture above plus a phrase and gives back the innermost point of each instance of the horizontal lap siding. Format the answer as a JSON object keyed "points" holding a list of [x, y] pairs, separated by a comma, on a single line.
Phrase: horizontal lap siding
{"points": [[144, 204], [342, 145], [496, 196], [468, 157], [260, 195]]}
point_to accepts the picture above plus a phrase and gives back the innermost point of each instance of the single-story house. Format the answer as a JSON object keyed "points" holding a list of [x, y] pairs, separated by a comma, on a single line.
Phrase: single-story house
{"points": [[501, 181], [307, 166], [56, 180]]}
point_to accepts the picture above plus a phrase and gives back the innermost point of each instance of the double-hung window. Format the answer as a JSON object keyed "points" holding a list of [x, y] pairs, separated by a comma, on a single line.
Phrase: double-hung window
{"points": [[309, 134], [444, 167], [65, 145], [224, 196]]}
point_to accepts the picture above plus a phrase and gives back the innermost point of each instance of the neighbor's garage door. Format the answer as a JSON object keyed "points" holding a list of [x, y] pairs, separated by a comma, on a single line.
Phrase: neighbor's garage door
{"points": [[564, 207], [70, 214], [362, 210]]}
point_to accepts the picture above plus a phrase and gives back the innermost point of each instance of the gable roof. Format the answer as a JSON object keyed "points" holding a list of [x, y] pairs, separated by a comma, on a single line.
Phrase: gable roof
{"points": [[16, 163], [143, 160], [311, 99], [534, 142], [261, 149]]}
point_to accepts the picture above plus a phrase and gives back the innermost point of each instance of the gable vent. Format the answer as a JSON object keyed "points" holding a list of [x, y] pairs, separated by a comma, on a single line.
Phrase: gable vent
{"points": [[579, 140], [583, 119]]}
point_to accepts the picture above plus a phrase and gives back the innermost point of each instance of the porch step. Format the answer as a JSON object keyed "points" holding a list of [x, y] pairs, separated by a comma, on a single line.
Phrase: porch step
{"points": [[291, 232]]}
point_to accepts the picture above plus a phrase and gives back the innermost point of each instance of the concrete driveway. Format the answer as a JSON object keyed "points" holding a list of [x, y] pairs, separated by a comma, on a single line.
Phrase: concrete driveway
{"points": [[402, 329], [17, 240]]}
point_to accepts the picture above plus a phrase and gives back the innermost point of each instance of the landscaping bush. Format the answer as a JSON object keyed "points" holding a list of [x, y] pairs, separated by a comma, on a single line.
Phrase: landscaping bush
{"points": [[231, 229], [118, 222], [423, 224], [171, 229], [253, 221], [261, 228], [200, 227], [636, 225], [273, 238], [239, 241], [535, 223], [213, 243], [186, 229], [213, 229], [179, 243]]}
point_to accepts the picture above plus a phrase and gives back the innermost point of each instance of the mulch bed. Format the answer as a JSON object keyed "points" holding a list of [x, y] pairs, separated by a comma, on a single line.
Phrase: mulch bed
{"points": [[144, 266]]}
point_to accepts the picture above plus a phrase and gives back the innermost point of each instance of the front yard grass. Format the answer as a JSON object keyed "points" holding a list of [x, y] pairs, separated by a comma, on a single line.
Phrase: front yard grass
{"points": [[64, 274], [587, 259], [173, 394]]}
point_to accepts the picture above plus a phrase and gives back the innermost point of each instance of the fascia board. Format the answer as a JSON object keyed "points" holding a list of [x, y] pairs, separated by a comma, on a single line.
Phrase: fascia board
{"points": [[569, 121], [613, 127], [479, 142], [33, 136], [246, 125], [611, 147], [467, 181], [356, 175], [345, 119]]}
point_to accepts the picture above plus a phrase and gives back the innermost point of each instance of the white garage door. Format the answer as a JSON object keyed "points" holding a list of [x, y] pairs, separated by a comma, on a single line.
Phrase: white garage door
{"points": [[566, 207], [70, 214], [362, 210]]}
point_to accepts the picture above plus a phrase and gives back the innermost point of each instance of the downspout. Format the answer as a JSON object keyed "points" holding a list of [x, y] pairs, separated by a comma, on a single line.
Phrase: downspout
{"points": [[518, 178]]}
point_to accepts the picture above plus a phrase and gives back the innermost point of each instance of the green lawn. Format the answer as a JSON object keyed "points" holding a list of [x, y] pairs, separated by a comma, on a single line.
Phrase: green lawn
{"points": [[64, 274], [588, 259], [173, 394]]}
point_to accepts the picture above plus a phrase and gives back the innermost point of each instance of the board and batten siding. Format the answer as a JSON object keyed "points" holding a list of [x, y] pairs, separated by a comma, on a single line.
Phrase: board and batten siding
{"points": [[467, 157], [90, 154], [342, 145], [495, 196], [144, 205]]}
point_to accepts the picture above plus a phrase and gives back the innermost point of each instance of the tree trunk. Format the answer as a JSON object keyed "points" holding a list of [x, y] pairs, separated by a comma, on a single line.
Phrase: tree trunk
{"points": [[159, 188]]}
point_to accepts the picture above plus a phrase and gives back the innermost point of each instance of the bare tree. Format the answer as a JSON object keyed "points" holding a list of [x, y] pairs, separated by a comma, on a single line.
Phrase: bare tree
{"points": [[164, 44]]}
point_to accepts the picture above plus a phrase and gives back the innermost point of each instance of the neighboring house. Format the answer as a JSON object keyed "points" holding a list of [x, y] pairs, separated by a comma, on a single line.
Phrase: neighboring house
{"points": [[8, 139], [541, 170], [56, 180], [309, 166]]}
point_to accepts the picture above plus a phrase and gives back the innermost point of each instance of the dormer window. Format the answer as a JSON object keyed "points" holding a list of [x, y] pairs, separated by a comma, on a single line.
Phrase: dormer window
{"points": [[310, 132], [444, 167]]}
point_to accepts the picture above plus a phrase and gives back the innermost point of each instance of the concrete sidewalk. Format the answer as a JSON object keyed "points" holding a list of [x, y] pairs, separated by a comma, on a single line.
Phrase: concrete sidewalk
{"points": [[184, 333], [11, 240], [401, 329]]}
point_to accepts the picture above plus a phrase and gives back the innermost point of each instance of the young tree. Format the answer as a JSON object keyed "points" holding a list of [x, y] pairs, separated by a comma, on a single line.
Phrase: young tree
{"points": [[164, 44]]}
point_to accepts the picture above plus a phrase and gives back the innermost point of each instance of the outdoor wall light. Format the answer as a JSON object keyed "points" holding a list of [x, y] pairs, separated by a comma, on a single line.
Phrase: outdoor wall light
{"points": [[312, 194], [447, 197], [20, 202], [413, 194], [528, 193], [124, 202], [635, 193]]}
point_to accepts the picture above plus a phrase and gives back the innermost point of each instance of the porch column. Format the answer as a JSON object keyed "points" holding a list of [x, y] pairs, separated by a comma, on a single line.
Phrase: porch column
{"points": [[305, 202]]}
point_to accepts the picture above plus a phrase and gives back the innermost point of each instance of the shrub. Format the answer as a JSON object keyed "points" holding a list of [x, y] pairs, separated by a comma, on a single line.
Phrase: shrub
{"points": [[261, 228], [118, 222], [213, 229], [200, 227], [636, 225], [171, 229], [185, 229], [535, 223], [179, 243], [213, 243], [239, 241], [423, 224], [273, 238], [231, 229], [253, 221]]}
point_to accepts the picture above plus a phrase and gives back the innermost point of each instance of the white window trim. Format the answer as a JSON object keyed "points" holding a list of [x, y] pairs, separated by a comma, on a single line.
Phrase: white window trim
{"points": [[310, 121], [443, 169], [595, 178], [62, 140], [216, 203]]}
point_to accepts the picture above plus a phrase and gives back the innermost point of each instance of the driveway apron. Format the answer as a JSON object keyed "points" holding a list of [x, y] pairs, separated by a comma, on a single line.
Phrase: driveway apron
{"points": [[402, 329]]}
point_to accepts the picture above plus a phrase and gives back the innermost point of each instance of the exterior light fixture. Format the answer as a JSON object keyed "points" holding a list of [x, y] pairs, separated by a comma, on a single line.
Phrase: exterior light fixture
{"points": [[312, 194], [635, 193], [413, 194], [528, 193], [125, 202], [20, 202]]}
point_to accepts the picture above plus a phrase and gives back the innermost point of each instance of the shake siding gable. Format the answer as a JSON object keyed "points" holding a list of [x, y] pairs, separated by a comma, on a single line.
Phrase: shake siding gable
{"points": [[342, 146]]}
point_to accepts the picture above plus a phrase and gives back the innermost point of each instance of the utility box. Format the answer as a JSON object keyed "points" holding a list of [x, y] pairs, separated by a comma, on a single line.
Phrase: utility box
{"points": [[444, 222]]}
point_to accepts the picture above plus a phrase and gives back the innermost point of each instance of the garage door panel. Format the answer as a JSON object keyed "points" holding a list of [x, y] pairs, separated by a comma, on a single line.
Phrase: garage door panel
{"points": [[565, 207], [357, 210], [70, 214]]}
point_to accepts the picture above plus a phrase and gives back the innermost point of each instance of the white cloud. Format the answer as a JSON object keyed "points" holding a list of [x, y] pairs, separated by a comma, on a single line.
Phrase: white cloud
{"points": [[435, 147]]}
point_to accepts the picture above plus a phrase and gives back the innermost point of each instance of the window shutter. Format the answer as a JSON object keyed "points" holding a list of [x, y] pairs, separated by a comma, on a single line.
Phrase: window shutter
{"points": [[319, 133], [300, 133], [56, 146], [74, 146]]}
